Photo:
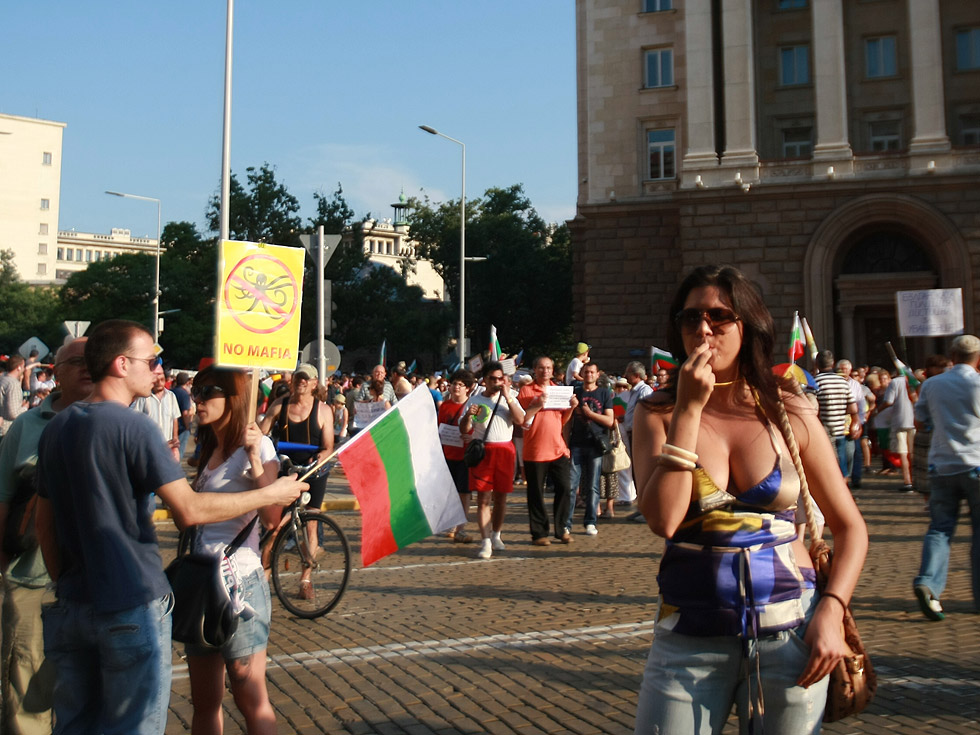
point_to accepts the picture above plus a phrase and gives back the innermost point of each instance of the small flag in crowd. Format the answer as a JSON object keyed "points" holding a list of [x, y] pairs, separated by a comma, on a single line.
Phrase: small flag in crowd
{"points": [[494, 344], [412, 367], [661, 359], [384, 349], [517, 360], [811, 344], [902, 367], [619, 405], [400, 478], [796, 339]]}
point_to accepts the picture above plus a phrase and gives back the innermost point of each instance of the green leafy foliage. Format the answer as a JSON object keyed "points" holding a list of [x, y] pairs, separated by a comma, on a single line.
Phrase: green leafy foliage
{"points": [[524, 287], [26, 311]]}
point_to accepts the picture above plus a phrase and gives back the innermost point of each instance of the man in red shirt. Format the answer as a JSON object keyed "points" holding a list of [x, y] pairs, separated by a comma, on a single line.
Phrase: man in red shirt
{"points": [[545, 455]]}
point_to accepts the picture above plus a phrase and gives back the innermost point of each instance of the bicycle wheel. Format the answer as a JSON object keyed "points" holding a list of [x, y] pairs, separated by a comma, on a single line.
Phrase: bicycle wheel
{"points": [[318, 592]]}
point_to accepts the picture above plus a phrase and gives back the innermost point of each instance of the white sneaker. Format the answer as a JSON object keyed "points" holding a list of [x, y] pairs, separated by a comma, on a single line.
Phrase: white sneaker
{"points": [[591, 530], [497, 544], [486, 550]]}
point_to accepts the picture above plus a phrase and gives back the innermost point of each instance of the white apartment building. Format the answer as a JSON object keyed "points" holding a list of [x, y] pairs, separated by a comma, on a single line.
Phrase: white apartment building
{"points": [[77, 250], [30, 194]]}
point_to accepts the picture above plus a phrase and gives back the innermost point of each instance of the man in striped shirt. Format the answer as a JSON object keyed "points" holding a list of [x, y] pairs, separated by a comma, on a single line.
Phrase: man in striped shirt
{"points": [[838, 411]]}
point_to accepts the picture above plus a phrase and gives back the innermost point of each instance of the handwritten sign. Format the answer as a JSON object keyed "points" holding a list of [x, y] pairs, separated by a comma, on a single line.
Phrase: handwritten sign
{"points": [[449, 435], [367, 411], [258, 305], [508, 365], [557, 397], [932, 313]]}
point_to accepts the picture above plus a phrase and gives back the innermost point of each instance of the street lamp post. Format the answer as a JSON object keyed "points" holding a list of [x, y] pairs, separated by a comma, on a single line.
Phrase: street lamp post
{"points": [[156, 274], [462, 243]]}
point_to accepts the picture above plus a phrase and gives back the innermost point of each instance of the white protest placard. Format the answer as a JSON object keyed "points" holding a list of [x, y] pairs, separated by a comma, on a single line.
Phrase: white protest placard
{"points": [[475, 364], [508, 365], [449, 435], [932, 313], [557, 397], [367, 411]]}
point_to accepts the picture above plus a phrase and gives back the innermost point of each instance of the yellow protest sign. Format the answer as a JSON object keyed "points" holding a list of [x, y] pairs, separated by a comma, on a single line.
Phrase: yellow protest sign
{"points": [[259, 298]]}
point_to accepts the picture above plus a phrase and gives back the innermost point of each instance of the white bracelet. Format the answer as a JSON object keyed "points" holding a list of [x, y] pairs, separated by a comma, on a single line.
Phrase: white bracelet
{"points": [[676, 451]]}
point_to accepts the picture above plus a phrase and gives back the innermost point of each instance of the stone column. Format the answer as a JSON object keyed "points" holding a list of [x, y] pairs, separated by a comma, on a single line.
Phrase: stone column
{"points": [[736, 21], [830, 84], [928, 104], [699, 147]]}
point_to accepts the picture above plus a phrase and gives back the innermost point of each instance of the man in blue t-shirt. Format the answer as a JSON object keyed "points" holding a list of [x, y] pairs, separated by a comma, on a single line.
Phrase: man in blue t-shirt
{"points": [[108, 634], [184, 404], [593, 414]]}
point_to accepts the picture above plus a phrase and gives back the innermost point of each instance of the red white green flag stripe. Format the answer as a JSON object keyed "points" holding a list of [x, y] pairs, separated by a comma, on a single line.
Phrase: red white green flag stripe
{"points": [[661, 359], [796, 339], [399, 476], [494, 344]]}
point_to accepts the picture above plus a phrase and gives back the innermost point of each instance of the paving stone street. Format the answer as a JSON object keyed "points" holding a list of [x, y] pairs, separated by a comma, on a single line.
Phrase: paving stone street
{"points": [[554, 639]]}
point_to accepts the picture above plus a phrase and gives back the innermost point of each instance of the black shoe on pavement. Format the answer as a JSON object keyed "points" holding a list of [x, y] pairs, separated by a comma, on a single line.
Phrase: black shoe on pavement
{"points": [[930, 606]]}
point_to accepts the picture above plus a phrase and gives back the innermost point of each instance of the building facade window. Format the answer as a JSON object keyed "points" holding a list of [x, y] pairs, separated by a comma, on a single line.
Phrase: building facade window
{"points": [[62, 275], [791, 4], [46, 159], [42, 269], [70, 254], [659, 68], [885, 135], [797, 142], [45, 204], [660, 149], [879, 57], [43, 229], [88, 256], [970, 130], [794, 65], [42, 248], [968, 49], [656, 6], [61, 254]]}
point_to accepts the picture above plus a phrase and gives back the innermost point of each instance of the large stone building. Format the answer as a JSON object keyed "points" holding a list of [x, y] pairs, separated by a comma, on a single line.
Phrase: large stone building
{"points": [[77, 250], [829, 148], [30, 193]]}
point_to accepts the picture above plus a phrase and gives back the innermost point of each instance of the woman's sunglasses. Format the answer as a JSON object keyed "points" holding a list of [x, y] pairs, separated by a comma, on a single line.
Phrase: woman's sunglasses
{"points": [[692, 318], [206, 392]]}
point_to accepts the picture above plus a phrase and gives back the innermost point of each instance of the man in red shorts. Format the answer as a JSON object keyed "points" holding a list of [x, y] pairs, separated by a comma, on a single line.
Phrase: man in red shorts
{"points": [[491, 416]]}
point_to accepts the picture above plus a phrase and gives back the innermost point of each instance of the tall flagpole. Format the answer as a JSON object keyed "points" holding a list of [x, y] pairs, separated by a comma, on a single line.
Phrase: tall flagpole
{"points": [[226, 132]]}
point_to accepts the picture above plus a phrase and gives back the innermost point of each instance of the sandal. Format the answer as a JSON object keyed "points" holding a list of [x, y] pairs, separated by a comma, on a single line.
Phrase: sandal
{"points": [[305, 589], [461, 537]]}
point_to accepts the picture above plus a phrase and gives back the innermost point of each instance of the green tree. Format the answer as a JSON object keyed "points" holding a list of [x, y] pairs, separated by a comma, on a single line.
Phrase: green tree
{"points": [[524, 287], [264, 212], [26, 311]]}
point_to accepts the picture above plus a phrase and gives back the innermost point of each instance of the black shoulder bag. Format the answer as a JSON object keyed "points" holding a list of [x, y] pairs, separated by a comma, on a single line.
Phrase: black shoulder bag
{"points": [[476, 449], [203, 612]]}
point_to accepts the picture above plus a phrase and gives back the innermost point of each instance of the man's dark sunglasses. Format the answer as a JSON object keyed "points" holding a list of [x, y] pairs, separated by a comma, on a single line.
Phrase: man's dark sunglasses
{"points": [[206, 392], [692, 318]]}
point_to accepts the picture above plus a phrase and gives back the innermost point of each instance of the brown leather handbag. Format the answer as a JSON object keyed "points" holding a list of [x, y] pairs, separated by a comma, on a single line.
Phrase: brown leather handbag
{"points": [[853, 681]]}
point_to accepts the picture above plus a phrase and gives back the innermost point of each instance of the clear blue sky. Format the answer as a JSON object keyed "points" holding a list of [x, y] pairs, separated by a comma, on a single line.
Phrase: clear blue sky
{"points": [[324, 90]]}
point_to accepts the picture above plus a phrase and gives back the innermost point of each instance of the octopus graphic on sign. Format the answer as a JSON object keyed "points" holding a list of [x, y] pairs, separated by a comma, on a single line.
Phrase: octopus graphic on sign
{"points": [[261, 294]]}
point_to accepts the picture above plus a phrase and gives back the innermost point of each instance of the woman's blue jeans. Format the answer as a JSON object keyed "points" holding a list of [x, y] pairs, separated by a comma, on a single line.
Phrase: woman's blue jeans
{"points": [[691, 682]]}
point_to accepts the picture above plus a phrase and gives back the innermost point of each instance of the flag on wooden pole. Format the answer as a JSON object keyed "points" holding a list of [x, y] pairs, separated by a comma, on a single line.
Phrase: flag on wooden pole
{"points": [[399, 476]]}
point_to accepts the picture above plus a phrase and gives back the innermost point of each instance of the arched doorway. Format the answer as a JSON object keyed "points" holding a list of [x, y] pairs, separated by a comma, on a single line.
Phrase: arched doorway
{"points": [[875, 263], [861, 255]]}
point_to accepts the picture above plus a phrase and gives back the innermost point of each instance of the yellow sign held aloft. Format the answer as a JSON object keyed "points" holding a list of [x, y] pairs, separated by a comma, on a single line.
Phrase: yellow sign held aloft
{"points": [[259, 298]]}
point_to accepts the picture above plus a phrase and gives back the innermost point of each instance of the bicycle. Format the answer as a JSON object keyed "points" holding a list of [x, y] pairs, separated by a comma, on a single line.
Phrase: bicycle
{"points": [[287, 552]]}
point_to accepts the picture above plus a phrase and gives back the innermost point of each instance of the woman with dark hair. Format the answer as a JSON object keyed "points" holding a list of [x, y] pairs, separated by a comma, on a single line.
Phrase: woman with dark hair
{"points": [[739, 618], [234, 457]]}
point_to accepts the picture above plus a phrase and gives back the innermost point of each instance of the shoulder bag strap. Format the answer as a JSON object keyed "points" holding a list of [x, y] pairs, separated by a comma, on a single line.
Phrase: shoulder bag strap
{"points": [[242, 535], [794, 450]]}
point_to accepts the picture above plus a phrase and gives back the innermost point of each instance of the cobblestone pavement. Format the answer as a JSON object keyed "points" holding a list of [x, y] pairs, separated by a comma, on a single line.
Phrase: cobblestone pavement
{"points": [[553, 640]]}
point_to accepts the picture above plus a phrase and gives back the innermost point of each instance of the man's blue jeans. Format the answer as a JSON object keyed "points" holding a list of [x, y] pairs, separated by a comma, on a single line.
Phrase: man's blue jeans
{"points": [[113, 669], [946, 492], [841, 448], [586, 467]]}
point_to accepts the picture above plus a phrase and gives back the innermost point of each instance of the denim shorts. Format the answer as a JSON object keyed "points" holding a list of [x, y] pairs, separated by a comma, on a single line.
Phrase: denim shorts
{"points": [[252, 635], [691, 682]]}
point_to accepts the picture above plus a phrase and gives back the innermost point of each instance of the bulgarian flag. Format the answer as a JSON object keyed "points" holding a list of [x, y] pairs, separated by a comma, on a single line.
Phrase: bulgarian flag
{"points": [[619, 405], [661, 359], [494, 344], [902, 367], [796, 339], [399, 476]]}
